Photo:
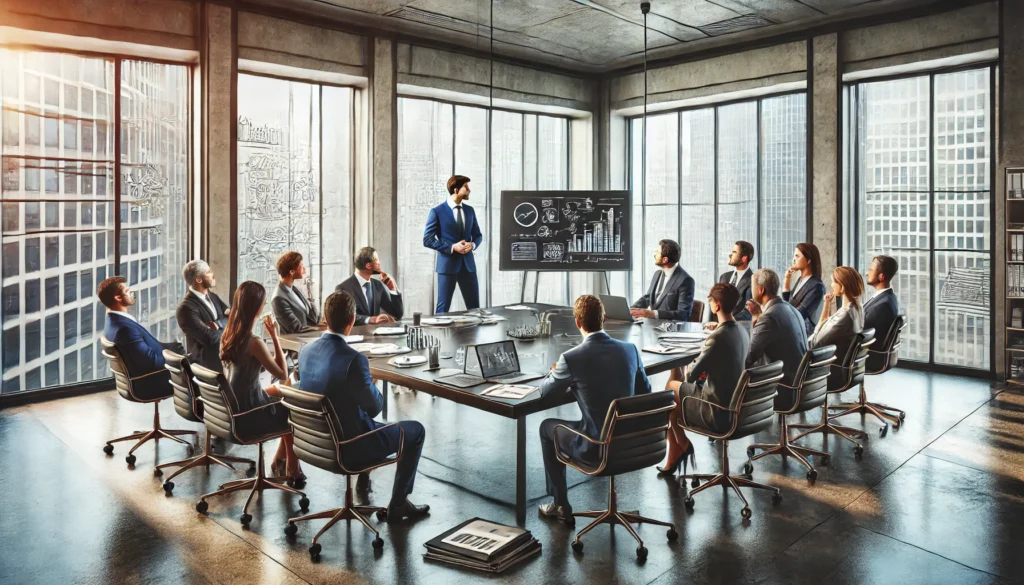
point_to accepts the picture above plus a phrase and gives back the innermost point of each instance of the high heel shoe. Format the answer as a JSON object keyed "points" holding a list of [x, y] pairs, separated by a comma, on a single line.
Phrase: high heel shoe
{"points": [[688, 454], [672, 468]]}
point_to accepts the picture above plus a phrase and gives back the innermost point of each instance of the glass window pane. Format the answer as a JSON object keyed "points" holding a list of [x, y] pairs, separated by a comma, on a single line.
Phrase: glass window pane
{"points": [[697, 174], [783, 180], [737, 176], [471, 161]]}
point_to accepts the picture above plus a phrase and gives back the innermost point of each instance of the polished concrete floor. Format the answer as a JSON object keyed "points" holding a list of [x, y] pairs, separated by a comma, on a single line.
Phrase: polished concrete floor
{"points": [[939, 501]]}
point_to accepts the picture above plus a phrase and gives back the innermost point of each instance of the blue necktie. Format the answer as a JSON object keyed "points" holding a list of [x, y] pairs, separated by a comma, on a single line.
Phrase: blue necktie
{"points": [[369, 296]]}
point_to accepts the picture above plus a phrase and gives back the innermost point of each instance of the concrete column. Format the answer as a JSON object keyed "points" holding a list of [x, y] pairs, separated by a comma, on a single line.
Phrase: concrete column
{"points": [[824, 87], [1010, 136], [218, 89], [383, 138]]}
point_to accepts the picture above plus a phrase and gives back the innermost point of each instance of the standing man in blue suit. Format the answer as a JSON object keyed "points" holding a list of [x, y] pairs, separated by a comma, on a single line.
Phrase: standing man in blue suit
{"points": [[596, 372], [331, 368], [452, 230], [141, 352]]}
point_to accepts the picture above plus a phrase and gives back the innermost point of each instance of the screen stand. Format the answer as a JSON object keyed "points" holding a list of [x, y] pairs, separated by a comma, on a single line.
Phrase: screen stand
{"points": [[536, 285]]}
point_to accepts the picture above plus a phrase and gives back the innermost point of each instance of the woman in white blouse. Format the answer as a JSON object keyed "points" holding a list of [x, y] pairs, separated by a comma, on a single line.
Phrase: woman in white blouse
{"points": [[840, 327]]}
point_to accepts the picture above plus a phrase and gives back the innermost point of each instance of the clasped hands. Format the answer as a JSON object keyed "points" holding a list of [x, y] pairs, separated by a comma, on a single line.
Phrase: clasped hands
{"points": [[463, 247]]}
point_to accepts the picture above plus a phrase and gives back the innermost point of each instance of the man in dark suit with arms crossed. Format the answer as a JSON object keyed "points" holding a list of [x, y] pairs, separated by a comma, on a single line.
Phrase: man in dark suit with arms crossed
{"points": [[377, 301], [201, 316], [452, 230]]}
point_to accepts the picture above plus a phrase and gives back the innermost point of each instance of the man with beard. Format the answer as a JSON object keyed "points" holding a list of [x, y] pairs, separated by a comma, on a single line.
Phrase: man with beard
{"points": [[202, 316], [453, 231], [670, 295]]}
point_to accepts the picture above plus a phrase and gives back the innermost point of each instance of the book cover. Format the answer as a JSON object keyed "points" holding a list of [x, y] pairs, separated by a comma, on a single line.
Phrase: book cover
{"points": [[479, 539]]}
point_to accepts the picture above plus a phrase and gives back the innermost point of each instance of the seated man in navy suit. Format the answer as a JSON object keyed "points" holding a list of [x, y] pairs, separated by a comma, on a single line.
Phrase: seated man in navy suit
{"points": [[882, 309], [453, 231], [596, 372], [141, 352], [331, 368]]}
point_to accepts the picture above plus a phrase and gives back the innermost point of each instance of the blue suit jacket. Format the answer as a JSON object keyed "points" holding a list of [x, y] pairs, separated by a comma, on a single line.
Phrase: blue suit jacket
{"points": [[879, 313], [441, 233], [141, 353], [331, 368], [596, 372]]}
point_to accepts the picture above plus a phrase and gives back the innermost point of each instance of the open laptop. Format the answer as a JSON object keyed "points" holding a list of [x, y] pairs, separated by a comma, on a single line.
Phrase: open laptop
{"points": [[617, 309], [498, 363]]}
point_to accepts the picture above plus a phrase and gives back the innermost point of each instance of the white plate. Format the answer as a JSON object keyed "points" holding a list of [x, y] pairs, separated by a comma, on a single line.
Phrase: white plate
{"points": [[437, 321], [408, 361]]}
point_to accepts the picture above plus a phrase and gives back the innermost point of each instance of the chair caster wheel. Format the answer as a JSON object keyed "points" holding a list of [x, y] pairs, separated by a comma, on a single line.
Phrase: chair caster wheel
{"points": [[750, 452], [688, 502], [382, 516], [745, 512], [314, 552], [158, 472], [672, 535], [858, 452], [883, 430], [748, 468], [903, 415], [202, 506], [304, 504], [251, 471], [130, 459], [378, 543], [291, 529], [776, 498], [577, 546], [108, 449], [168, 487], [812, 475], [246, 519], [641, 553]]}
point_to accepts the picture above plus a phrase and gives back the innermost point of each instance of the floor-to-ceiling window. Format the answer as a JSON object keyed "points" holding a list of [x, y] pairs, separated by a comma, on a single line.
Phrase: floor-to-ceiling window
{"points": [[717, 175], [60, 194], [437, 140], [294, 180], [921, 188]]}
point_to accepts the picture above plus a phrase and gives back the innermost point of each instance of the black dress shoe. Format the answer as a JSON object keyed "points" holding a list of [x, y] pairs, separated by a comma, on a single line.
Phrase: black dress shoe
{"points": [[406, 511], [561, 513]]}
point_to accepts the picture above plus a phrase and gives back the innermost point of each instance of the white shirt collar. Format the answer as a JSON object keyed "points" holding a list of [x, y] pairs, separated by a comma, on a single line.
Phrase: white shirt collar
{"points": [[122, 313], [197, 293], [741, 273], [670, 271], [359, 277], [452, 203]]}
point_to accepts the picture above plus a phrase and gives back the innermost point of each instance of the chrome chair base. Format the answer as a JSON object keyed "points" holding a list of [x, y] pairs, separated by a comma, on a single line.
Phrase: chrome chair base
{"points": [[825, 427], [787, 448], [346, 512], [204, 460], [614, 517], [726, 480], [255, 485], [884, 413], [143, 437]]}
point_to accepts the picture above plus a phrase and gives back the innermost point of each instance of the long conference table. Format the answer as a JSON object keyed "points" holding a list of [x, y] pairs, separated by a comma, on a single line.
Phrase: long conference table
{"points": [[535, 356]]}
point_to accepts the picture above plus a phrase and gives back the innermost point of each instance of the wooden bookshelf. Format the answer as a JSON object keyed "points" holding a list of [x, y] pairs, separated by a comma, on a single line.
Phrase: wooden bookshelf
{"points": [[1013, 226]]}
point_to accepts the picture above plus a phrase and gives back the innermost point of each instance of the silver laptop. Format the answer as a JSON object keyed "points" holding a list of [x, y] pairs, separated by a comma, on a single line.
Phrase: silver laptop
{"points": [[498, 363], [617, 309]]}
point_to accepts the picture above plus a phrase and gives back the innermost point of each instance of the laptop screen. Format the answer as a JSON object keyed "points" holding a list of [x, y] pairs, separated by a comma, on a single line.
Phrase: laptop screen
{"points": [[497, 359]]}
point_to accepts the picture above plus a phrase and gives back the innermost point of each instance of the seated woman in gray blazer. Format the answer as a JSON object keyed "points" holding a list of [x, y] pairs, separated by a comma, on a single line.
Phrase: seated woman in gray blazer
{"points": [[840, 327], [293, 312], [712, 377], [806, 292]]}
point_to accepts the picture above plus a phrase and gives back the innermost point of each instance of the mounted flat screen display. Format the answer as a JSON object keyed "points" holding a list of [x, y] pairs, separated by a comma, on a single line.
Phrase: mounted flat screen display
{"points": [[565, 230]]}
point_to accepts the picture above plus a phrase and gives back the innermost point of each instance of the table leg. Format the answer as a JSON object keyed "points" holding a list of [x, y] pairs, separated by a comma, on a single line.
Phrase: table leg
{"points": [[521, 471], [384, 393]]}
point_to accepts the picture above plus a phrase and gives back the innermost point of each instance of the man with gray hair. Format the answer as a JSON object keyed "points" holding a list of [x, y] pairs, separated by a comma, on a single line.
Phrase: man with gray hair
{"points": [[202, 316], [777, 332]]}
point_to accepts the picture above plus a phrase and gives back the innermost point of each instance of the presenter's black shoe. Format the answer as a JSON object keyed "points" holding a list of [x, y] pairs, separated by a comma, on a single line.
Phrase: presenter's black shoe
{"points": [[406, 511], [363, 489], [561, 513]]}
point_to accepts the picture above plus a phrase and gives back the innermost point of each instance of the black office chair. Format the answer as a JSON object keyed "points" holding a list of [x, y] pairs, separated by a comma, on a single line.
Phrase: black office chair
{"points": [[189, 406], [320, 441], [843, 376], [222, 418], [879, 361], [125, 384], [751, 412], [808, 391], [633, 438]]}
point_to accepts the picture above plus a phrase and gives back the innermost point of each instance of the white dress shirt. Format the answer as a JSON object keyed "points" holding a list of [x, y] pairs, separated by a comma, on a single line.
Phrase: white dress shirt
{"points": [[206, 301], [738, 275], [362, 286], [666, 275], [799, 283], [123, 314], [455, 214]]}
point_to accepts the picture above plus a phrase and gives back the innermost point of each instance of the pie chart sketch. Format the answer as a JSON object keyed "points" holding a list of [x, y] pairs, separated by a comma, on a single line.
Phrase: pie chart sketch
{"points": [[526, 214]]}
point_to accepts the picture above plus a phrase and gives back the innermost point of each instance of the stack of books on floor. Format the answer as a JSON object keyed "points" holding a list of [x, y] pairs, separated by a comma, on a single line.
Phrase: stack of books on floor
{"points": [[483, 545]]}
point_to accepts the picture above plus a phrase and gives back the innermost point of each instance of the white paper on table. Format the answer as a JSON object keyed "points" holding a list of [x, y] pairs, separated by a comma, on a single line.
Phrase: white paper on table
{"points": [[513, 391], [518, 308], [670, 349], [697, 336], [352, 338], [389, 330]]}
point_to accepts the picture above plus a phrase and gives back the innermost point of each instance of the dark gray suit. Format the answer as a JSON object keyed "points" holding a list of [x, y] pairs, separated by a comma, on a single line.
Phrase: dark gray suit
{"points": [[743, 285], [778, 335], [675, 302], [808, 300], [383, 299], [596, 372], [879, 314], [294, 313], [201, 342], [723, 359]]}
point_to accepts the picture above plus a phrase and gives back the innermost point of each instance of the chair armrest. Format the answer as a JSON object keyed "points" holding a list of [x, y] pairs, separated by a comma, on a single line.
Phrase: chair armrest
{"points": [[250, 411], [398, 455], [160, 371], [567, 460]]}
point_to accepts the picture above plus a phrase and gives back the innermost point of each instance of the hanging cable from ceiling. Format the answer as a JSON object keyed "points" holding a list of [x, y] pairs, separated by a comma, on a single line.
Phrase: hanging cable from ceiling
{"points": [[645, 7]]}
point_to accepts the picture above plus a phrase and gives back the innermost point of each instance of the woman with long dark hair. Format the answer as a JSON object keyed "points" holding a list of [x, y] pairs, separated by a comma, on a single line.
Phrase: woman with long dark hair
{"points": [[808, 291], [244, 358]]}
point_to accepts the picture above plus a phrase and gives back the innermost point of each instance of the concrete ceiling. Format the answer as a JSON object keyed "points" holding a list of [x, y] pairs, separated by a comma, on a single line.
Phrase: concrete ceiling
{"points": [[596, 35]]}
